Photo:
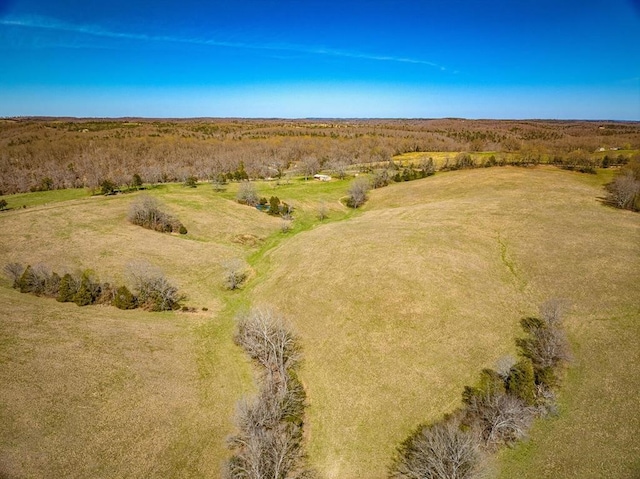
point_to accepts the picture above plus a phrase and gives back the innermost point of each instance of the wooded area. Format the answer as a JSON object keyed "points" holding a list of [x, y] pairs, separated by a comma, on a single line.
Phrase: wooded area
{"points": [[47, 153]]}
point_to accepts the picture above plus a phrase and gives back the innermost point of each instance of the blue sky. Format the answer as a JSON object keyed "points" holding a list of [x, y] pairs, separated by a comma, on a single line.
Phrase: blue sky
{"points": [[375, 58]]}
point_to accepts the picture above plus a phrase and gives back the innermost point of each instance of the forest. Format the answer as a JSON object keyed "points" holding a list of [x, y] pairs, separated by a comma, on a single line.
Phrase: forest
{"points": [[39, 154]]}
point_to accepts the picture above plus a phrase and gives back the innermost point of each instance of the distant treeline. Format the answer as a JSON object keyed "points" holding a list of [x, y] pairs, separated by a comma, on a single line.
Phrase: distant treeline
{"points": [[46, 153]]}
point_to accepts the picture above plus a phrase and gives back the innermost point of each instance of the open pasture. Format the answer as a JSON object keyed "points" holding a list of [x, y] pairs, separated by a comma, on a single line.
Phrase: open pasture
{"points": [[398, 306]]}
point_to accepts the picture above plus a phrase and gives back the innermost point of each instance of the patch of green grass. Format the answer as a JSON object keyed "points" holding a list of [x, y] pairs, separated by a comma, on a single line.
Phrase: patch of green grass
{"points": [[38, 198]]}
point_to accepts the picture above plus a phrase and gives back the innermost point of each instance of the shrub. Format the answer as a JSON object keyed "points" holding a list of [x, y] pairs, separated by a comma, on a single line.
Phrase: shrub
{"points": [[182, 230], [380, 179], [491, 383], [107, 294], [191, 182], [219, 183], [124, 299], [3, 204]]}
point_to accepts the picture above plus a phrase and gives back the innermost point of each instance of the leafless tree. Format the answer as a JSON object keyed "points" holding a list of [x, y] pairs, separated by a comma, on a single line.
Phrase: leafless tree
{"points": [[309, 166], [357, 193], [269, 441], [624, 191], [440, 451], [235, 273], [247, 194], [14, 272], [504, 365], [263, 335], [339, 168], [546, 344], [501, 418], [323, 211]]}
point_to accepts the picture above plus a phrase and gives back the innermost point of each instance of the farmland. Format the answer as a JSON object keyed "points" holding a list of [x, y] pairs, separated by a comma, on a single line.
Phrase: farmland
{"points": [[398, 305]]}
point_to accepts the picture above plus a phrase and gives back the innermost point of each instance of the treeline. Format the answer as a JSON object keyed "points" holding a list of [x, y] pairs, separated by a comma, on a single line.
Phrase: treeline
{"points": [[152, 291], [498, 410], [43, 154], [269, 442]]}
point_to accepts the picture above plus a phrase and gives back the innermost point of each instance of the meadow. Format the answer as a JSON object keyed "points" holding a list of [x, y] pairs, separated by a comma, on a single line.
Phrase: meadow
{"points": [[398, 305]]}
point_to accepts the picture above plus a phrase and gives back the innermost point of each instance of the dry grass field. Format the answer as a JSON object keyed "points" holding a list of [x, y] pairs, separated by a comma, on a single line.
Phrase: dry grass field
{"points": [[398, 306]]}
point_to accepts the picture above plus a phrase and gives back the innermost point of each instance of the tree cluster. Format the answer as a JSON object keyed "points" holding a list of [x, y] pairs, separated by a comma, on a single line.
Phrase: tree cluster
{"points": [[498, 410], [147, 212], [270, 425], [624, 191], [153, 291]]}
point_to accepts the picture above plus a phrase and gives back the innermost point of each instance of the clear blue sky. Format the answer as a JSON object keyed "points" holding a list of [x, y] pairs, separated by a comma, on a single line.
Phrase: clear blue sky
{"points": [[311, 58]]}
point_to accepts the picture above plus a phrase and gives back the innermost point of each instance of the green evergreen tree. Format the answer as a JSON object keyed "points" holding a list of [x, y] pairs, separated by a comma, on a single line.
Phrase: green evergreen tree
{"points": [[124, 299], [84, 296], [521, 381], [274, 206], [67, 289], [24, 283]]}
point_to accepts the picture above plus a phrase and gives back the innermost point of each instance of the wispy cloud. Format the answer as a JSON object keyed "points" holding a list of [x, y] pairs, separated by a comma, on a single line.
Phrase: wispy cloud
{"points": [[38, 22]]}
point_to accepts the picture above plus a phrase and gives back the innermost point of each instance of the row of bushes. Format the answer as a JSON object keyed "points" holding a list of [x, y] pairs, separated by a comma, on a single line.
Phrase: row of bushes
{"points": [[153, 291], [498, 410], [269, 441]]}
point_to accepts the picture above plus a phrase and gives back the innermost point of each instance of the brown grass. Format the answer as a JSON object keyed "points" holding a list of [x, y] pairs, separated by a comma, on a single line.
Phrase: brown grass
{"points": [[402, 306], [99, 392], [398, 307]]}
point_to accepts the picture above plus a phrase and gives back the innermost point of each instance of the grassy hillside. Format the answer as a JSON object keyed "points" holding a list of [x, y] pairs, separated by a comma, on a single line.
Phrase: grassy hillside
{"points": [[398, 307], [402, 306]]}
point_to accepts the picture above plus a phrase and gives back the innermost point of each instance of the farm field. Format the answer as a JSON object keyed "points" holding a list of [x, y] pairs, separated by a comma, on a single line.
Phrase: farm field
{"points": [[398, 306]]}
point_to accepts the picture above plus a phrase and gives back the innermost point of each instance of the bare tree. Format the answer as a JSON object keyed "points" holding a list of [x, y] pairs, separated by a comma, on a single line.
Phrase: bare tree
{"points": [[504, 365], [357, 193], [309, 166], [235, 273], [269, 441], [501, 418], [263, 335], [624, 191], [323, 211], [14, 272], [247, 194], [440, 451]]}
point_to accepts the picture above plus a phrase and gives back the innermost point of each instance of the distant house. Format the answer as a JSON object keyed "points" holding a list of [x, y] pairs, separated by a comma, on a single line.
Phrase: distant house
{"points": [[322, 177]]}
